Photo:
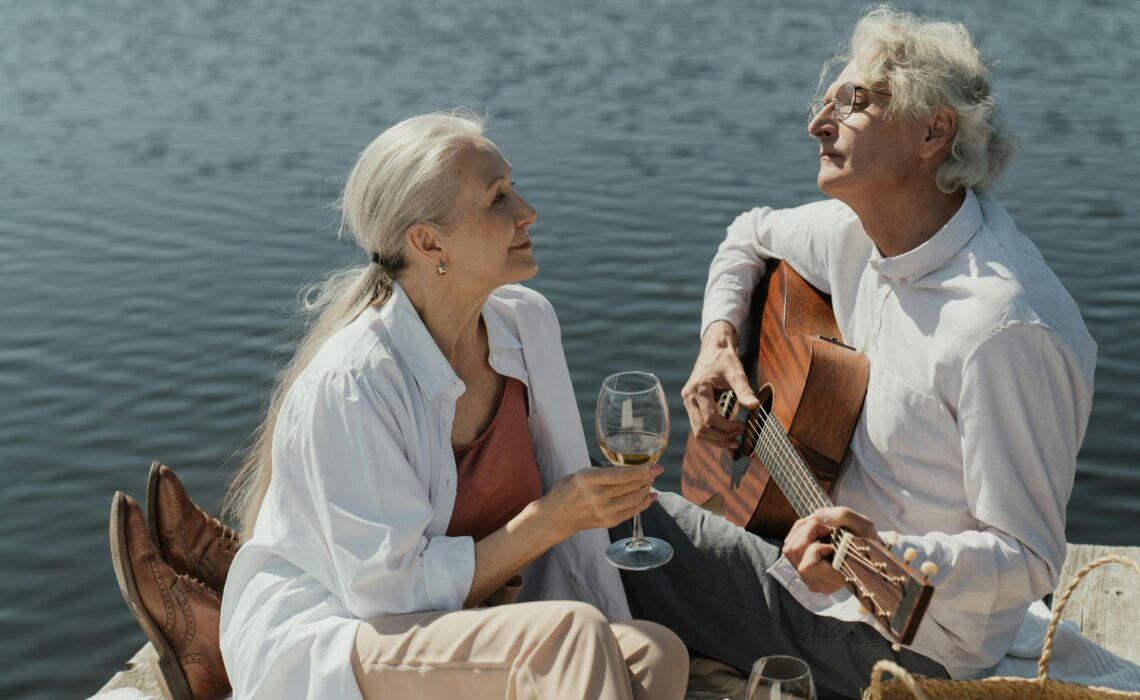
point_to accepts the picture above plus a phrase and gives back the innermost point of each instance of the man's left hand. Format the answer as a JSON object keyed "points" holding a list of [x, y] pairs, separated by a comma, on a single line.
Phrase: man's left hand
{"points": [[809, 555]]}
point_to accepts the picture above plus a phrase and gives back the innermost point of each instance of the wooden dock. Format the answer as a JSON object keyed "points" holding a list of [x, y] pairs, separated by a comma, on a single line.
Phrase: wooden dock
{"points": [[1106, 607]]}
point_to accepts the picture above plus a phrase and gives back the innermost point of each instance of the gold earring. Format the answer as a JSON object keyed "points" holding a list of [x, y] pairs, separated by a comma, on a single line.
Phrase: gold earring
{"points": [[441, 268]]}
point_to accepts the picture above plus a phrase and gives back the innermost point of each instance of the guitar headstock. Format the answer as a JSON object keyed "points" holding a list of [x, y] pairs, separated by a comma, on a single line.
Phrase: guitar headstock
{"points": [[888, 587]]}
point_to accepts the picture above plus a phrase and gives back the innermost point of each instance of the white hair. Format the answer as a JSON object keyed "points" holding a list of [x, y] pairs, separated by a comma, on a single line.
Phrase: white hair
{"points": [[402, 178], [928, 65]]}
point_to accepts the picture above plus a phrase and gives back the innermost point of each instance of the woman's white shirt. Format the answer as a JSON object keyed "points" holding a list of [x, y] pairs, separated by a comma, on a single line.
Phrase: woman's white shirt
{"points": [[354, 524]]}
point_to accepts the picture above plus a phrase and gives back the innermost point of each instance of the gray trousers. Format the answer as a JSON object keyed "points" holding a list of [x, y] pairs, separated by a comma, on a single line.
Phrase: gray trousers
{"points": [[715, 595]]}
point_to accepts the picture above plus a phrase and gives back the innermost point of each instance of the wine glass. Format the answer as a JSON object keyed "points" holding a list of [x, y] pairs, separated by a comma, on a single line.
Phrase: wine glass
{"points": [[632, 422], [780, 678]]}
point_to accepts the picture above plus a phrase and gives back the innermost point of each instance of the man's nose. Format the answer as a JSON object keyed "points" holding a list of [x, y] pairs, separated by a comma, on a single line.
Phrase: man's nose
{"points": [[822, 125]]}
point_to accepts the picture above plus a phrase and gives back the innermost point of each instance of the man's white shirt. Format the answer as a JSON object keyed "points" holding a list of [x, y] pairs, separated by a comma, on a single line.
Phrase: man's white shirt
{"points": [[979, 396]]}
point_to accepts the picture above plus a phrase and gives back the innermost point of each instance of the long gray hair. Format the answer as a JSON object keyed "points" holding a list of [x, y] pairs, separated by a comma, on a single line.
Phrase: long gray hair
{"points": [[402, 178], [929, 64]]}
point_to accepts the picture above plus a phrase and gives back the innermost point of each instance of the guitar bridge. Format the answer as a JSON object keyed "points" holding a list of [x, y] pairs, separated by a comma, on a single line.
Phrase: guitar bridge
{"points": [[727, 404]]}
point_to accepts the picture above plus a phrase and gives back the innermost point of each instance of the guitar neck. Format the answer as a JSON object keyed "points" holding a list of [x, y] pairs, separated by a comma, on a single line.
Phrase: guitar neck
{"points": [[771, 445], [888, 589]]}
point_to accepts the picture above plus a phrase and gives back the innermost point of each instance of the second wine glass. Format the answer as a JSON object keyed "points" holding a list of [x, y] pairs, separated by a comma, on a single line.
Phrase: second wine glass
{"points": [[632, 422], [780, 678]]}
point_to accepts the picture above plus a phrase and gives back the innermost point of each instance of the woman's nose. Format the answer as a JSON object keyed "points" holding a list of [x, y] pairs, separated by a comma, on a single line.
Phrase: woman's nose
{"points": [[526, 213]]}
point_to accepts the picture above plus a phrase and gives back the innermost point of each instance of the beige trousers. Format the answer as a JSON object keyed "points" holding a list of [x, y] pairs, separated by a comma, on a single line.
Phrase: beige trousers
{"points": [[549, 650]]}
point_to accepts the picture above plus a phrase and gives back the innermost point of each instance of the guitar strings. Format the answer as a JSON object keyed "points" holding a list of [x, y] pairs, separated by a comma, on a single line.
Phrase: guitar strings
{"points": [[771, 438], [777, 444], [765, 437]]}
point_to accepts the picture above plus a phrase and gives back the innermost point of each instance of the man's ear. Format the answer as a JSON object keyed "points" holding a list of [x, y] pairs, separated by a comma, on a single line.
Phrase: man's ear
{"points": [[940, 132], [425, 242]]}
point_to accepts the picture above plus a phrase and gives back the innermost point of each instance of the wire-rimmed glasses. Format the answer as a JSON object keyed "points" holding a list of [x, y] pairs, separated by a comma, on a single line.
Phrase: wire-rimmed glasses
{"points": [[846, 101]]}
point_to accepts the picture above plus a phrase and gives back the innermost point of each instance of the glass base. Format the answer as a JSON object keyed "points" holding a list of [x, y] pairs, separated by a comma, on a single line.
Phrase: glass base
{"points": [[650, 553]]}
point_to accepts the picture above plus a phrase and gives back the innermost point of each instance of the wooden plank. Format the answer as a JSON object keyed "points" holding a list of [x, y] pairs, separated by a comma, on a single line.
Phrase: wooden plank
{"points": [[1106, 604], [141, 673]]}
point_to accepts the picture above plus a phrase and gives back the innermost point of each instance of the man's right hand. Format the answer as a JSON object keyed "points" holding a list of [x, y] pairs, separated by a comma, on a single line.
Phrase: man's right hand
{"points": [[717, 367]]}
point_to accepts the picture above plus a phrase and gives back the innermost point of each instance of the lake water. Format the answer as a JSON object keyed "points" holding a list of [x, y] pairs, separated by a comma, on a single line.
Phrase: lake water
{"points": [[167, 171]]}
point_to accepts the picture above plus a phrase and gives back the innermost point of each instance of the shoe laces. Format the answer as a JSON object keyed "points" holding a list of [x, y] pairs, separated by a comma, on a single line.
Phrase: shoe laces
{"points": [[203, 586]]}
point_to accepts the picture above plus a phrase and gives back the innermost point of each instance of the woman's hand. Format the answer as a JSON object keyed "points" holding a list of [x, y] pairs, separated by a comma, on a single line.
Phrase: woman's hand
{"points": [[805, 550], [599, 497], [717, 367], [588, 498]]}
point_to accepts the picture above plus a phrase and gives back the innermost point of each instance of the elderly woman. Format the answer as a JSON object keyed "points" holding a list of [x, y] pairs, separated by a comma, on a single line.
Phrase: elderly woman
{"points": [[421, 452]]}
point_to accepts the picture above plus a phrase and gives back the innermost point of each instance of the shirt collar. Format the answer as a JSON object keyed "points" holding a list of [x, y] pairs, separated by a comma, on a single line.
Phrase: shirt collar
{"points": [[411, 339], [914, 264], [500, 338]]}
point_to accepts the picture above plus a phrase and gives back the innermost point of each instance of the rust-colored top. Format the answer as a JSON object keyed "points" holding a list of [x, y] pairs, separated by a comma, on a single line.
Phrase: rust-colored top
{"points": [[497, 473]]}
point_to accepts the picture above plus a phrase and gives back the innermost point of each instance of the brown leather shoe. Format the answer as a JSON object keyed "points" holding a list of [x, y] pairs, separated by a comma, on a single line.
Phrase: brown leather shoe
{"points": [[187, 538], [178, 614]]}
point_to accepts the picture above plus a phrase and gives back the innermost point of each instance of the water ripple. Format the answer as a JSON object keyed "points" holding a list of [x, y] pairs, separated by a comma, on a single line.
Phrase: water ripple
{"points": [[168, 171]]}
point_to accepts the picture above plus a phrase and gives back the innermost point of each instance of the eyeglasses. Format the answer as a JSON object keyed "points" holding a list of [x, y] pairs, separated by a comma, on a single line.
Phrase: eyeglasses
{"points": [[847, 99]]}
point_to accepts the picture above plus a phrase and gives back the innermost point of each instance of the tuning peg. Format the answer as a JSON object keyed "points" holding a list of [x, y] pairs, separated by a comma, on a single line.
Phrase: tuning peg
{"points": [[863, 610], [892, 539], [928, 569], [910, 554]]}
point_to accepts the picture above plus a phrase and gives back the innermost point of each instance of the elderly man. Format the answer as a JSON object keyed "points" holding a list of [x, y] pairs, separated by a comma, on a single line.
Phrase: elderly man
{"points": [[979, 394]]}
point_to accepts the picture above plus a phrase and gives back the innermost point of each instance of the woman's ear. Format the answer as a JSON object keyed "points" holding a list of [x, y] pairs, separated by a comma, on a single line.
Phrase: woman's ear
{"points": [[940, 132], [425, 242]]}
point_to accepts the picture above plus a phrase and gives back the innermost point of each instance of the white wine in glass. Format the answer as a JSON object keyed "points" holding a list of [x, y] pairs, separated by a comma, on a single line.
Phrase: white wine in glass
{"points": [[633, 448], [632, 422]]}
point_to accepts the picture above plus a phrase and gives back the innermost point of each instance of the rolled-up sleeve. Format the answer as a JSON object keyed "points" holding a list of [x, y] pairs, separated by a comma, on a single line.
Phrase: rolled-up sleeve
{"points": [[371, 508]]}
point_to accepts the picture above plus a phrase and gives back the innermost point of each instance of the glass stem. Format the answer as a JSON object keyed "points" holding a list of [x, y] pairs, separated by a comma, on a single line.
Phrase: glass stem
{"points": [[638, 535]]}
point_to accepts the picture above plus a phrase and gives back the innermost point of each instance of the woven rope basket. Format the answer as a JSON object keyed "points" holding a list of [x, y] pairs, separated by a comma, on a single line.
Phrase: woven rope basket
{"points": [[904, 686]]}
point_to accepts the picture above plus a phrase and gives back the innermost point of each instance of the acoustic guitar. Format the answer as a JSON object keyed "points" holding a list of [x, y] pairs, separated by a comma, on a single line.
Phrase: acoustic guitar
{"points": [[811, 391]]}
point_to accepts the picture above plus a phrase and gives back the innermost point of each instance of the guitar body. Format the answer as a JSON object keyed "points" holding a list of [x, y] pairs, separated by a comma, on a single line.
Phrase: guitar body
{"points": [[815, 388]]}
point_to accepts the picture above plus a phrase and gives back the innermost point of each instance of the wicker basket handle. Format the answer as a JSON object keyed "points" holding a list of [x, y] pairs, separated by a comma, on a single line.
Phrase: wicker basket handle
{"points": [[1059, 607], [885, 666], [909, 681]]}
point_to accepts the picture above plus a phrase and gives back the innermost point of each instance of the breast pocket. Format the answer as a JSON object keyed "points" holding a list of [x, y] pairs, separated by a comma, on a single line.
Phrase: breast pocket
{"points": [[914, 433]]}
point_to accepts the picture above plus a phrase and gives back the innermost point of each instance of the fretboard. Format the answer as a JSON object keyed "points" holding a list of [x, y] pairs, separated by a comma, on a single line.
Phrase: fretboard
{"points": [[785, 465]]}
